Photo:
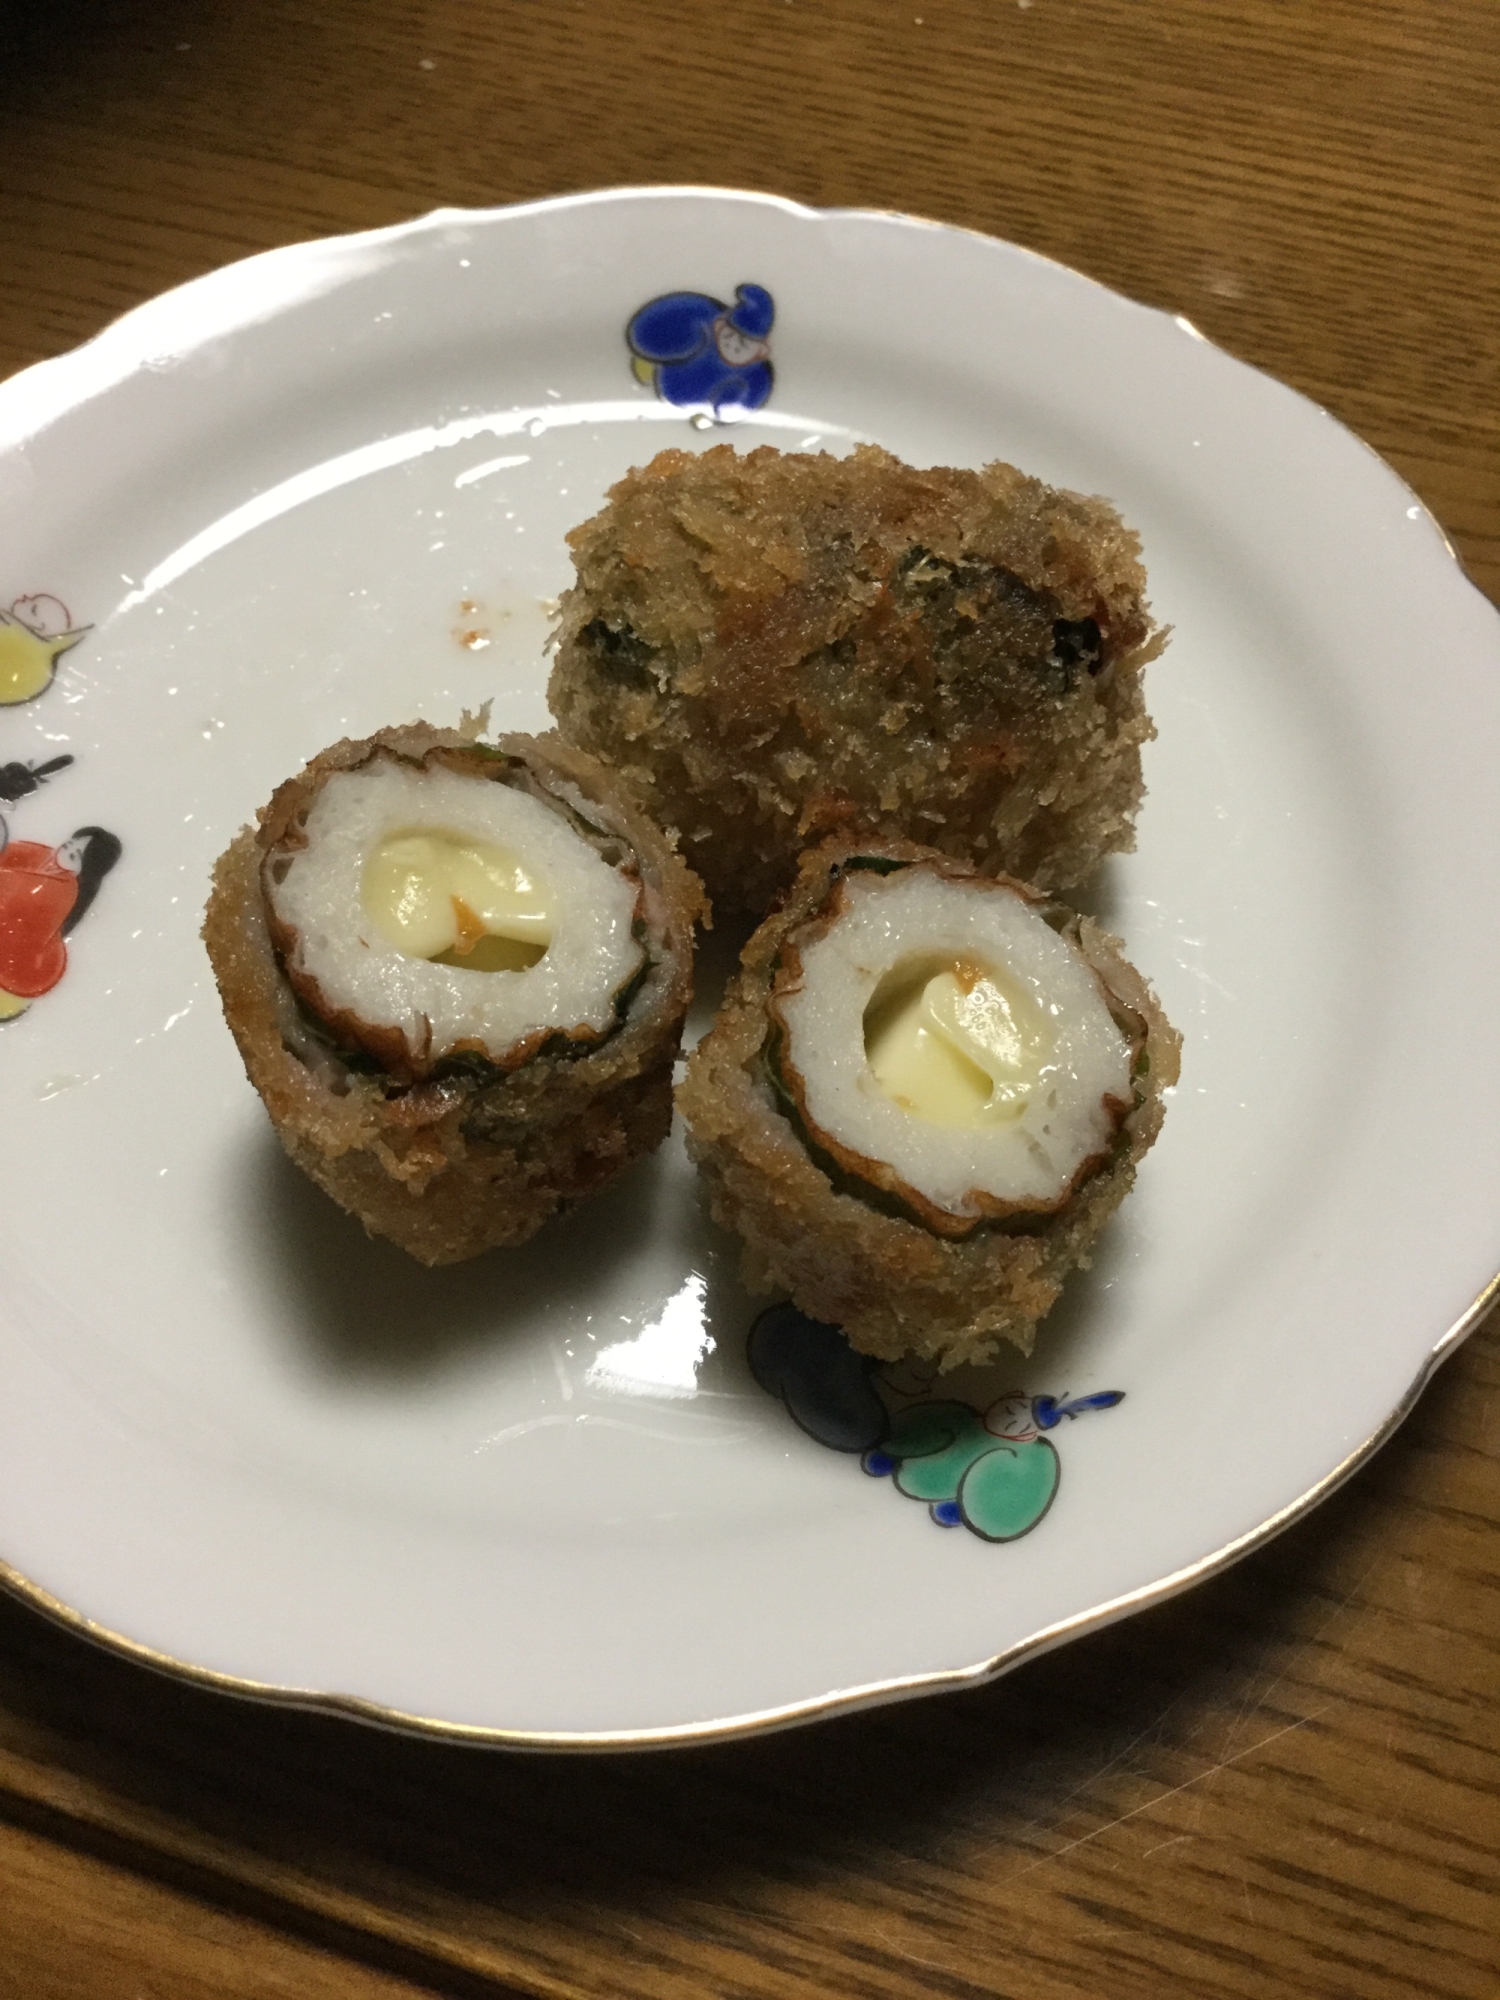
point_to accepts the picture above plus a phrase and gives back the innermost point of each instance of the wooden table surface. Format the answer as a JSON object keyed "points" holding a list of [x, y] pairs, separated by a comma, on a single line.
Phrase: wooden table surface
{"points": [[1287, 1782]]}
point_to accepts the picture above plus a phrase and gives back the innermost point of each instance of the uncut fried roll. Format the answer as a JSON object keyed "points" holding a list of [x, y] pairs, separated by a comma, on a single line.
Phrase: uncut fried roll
{"points": [[457, 974], [923, 1097], [784, 647]]}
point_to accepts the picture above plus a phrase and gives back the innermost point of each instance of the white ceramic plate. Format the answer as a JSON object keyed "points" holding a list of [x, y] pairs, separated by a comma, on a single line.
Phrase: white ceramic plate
{"points": [[540, 1498]]}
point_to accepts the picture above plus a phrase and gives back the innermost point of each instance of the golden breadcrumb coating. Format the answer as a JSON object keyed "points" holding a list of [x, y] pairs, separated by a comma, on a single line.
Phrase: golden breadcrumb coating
{"points": [[844, 1250], [473, 1156], [782, 647]]}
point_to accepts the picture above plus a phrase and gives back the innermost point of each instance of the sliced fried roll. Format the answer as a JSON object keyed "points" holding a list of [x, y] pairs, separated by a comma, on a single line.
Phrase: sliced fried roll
{"points": [[923, 1097], [457, 974]]}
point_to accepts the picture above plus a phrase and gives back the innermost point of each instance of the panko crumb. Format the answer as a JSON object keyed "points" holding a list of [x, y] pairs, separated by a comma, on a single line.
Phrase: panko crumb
{"points": [[777, 648]]}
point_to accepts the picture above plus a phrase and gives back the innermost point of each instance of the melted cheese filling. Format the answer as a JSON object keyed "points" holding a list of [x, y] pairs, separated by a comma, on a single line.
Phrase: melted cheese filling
{"points": [[462, 912], [941, 1038], [958, 1046], [441, 895]]}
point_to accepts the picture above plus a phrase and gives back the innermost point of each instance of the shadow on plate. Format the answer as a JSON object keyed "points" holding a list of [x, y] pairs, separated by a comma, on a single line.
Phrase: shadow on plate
{"points": [[1102, 897], [359, 1306]]}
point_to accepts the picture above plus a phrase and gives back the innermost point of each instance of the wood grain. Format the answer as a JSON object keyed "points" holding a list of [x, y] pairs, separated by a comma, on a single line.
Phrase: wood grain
{"points": [[70, 1919], [1313, 186], [1285, 1783]]}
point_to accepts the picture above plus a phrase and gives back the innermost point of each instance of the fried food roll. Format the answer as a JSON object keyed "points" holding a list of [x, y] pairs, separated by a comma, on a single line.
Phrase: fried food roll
{"points": [[457, 974], [784, 647], [923, 1097]]}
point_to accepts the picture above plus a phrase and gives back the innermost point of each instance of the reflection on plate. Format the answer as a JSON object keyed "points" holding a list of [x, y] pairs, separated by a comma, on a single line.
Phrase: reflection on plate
{"points": [[544, 1497]]}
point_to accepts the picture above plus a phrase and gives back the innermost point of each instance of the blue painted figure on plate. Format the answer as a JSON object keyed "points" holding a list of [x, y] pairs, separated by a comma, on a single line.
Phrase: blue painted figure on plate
{"points": [[993, 1471], [700, 353]]}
